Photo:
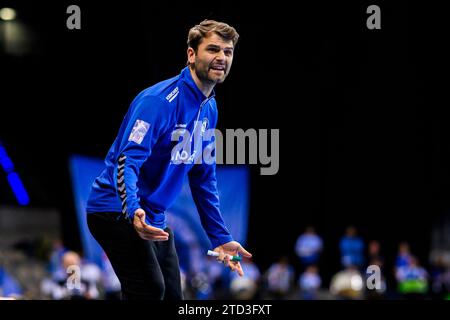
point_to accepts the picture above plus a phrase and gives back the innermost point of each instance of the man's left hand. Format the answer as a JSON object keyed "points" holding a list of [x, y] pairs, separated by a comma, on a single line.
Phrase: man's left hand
{"points": [[232, 248]]}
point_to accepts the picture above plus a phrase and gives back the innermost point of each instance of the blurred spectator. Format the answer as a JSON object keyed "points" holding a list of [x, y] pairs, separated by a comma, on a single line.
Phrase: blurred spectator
{"points": [[376, 263], [441, 285], [245, 287], [378, 287], [280, 277], [403, 256], [309, 283], [91, 274], [375, 253], [440, 274], [73, 286], [352, 249], [9, 286], [201, 285], [56, 255], [412, 279], [308, 247], [347, 284]]}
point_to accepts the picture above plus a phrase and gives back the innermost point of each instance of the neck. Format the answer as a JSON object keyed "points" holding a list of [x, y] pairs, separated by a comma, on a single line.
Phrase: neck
{"points": [[205, 88]]}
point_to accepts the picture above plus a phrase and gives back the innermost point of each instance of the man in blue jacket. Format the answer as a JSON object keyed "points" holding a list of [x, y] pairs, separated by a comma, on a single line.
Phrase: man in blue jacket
{"points": [[156, 147]]}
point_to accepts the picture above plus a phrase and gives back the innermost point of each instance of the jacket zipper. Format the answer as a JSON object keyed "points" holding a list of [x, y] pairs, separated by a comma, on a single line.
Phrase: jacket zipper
{"points": [[198, 116]]}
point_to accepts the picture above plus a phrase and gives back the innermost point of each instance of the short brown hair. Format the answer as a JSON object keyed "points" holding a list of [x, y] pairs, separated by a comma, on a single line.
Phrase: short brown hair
{"points": [[200, 31]]}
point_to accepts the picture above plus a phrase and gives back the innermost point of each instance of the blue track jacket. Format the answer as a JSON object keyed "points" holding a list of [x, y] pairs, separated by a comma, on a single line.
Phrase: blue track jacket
{"points": [[166, 134]]}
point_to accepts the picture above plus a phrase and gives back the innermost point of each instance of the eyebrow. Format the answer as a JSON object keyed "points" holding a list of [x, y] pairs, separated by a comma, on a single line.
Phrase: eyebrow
{"points": [[215, 46]]}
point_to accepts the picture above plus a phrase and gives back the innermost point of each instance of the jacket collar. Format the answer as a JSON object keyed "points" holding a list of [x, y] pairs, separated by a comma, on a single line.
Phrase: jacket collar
{"points": [[187, 78]]}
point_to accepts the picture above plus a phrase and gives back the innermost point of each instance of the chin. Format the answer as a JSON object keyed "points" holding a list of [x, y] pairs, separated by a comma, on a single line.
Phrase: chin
{"points": [[220, 79]]}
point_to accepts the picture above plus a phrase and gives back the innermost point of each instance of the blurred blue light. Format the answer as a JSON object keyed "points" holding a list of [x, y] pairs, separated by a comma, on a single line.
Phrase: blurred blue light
{"points": [[5, 161], [18, 189], [13, 178]]}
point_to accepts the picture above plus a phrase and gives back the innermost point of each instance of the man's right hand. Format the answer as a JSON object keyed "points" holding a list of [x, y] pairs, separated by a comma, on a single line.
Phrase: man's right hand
{"points": [[146, 231]]}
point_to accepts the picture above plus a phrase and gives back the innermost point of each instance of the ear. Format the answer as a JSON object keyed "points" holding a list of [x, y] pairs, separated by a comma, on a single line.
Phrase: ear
{"points": [[190, 55]]}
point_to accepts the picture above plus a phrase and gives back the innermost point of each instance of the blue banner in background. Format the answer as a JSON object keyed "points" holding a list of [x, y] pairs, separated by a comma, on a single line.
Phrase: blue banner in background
{"points": [[190, 238], [83, 172]]}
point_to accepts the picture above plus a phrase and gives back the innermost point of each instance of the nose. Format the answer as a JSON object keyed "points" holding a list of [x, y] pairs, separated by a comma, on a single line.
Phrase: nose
{"points": [[220, 55]]}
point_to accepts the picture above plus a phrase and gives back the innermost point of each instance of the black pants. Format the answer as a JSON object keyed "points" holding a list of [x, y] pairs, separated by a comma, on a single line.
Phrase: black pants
{"points": [[146, 269]]}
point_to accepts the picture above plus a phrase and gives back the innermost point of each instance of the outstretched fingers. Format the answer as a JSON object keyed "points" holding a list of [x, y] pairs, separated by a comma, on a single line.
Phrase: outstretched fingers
{"points": [[244, 252], [155, 231], [239, 269]]}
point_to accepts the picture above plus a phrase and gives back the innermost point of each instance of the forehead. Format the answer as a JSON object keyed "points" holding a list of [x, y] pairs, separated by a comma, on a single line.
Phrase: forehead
{"points": [[214, 39]]}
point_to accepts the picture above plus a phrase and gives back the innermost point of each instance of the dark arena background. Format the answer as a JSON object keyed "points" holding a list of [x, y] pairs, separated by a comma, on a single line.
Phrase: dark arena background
{"points": [[364, 142]]}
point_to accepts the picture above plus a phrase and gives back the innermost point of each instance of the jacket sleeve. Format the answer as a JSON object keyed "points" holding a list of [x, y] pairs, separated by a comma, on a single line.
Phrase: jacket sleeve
{"points": [[203, 184], [140, 131]]}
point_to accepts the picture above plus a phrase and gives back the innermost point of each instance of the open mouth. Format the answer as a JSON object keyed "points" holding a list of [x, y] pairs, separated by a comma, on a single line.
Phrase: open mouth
{"points": [[218, 68]]}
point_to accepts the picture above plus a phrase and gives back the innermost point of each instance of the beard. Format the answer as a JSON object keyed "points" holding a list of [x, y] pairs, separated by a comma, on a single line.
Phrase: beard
{"points": [[202, 70]]}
